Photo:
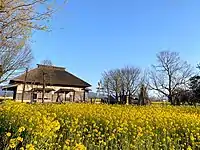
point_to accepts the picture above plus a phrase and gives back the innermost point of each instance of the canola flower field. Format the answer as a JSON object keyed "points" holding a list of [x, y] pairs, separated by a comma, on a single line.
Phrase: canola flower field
{"points": [[95, 127]]}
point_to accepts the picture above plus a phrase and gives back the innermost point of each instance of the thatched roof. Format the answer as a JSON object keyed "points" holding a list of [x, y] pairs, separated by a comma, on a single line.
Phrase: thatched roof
{"points": [[54, 76]]}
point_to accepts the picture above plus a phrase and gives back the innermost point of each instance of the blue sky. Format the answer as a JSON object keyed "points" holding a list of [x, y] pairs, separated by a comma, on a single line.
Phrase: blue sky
{"points": [[91, 36]]}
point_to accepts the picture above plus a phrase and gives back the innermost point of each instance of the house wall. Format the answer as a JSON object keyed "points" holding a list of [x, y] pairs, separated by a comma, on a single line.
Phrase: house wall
{"points": [[49, 97]]}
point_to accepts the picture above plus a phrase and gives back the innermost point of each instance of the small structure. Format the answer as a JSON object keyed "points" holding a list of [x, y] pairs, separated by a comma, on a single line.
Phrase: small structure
{"points": [[100, 90], [60, 85]]}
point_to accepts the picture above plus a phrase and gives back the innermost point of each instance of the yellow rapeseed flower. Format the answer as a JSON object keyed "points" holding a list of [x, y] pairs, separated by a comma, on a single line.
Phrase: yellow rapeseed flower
{"points": [[8, 134], [100, 126], [80, 147], [20, 139], [30, 147], [21, 129], [67, 142], [12, 143]]}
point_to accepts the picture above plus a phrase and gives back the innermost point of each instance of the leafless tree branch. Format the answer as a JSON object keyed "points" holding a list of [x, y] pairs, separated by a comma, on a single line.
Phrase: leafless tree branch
{"points": [[169, 74]]}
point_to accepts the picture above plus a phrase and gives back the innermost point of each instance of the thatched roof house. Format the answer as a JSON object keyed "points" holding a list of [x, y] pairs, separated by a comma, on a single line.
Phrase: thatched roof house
{"points": [[56, 80]]}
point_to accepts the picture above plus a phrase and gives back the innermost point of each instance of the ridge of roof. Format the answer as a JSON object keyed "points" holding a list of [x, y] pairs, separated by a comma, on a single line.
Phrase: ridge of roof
{"points": [[50, 66]]}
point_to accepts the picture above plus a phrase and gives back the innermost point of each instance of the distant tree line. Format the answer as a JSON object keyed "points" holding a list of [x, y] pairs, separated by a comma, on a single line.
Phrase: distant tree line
{"points": [[171, 77], [122, 85], [120, 82]]}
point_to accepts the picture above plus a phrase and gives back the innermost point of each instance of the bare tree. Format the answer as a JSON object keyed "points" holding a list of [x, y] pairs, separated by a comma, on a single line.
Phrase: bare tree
{"points": [[47, 62], [106, 83], [121, 82], [18, 19], [169, 74], [130, 79], [14, 61]]}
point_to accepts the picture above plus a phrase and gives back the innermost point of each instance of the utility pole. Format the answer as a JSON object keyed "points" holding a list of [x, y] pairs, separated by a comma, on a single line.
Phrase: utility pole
{"points": [[43, 86], [24, 86]]}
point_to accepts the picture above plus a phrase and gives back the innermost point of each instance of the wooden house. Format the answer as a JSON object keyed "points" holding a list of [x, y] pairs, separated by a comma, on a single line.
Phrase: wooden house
{"points": [[57, 84]]}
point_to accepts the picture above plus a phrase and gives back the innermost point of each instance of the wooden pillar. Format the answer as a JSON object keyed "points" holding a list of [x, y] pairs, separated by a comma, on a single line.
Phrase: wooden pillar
{"points": [[1, 70], [84, 95], [74, 96], [57, 97], [14, 94], [52, 96], [65, 97]]}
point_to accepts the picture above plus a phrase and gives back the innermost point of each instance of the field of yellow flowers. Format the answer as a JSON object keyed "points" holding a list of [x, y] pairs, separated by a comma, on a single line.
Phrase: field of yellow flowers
{"points": [[96, 127]]}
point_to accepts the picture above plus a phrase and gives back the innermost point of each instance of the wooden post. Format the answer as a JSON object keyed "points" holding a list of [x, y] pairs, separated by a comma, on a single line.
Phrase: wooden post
{"points": [[14, 94], [57, 97], [84, 95], [74, 96], [24, 86], [65, 97], [43, 87], [52, 97], [1, 70]]}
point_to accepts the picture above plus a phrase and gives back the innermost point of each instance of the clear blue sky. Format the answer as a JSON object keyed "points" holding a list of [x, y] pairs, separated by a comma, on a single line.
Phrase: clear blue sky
{"points": [[91, 36]]}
